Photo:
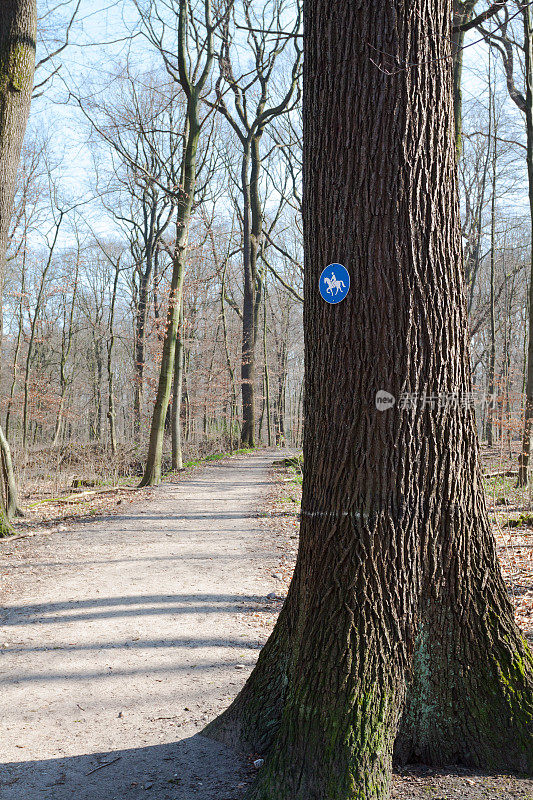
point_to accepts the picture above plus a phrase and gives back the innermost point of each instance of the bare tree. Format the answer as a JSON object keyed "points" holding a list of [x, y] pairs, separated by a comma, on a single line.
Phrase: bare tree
{"points": [[253, 108], [191, 70], [503, 41]]}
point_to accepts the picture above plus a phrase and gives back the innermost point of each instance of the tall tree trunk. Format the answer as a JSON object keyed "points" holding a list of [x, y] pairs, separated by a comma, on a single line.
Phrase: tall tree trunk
{"points": [[492, 313], [140, 332], [18, 342], [111, 412], [152, 473], [510, 289], [98, 408], [299, 415], [17, 64], [267, 376], [252, 294], [523, 464], [462, 13], [193, 92], [33, 329], [282, 379], [177, 456], [396, 555], [207, 391], [231, 372], [248, 305], [66, 346], [473, 261]]}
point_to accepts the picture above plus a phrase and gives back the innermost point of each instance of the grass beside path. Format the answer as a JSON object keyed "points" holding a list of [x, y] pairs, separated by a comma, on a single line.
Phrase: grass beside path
{"points": [[50, 513]]}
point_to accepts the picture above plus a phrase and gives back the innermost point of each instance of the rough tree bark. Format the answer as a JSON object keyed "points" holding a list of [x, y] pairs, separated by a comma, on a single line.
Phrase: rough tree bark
{"points": [[17, 64], [398, 599], [18, 24]]}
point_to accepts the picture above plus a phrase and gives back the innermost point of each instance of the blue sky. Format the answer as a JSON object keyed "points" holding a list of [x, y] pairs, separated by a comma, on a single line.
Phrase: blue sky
{"points": [[93, 56]]}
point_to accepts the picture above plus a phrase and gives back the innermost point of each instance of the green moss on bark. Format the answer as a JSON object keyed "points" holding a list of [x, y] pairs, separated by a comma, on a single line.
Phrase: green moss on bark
{"points": [[470, 700], [345, 746]]}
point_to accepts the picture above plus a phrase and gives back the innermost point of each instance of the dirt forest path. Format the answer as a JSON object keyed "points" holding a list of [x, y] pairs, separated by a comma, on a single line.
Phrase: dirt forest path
{"points": [[121, 638]]}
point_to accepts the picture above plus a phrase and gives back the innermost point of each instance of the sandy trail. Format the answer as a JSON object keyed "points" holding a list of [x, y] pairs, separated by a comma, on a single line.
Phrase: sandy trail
{"points": [[122, 637]]}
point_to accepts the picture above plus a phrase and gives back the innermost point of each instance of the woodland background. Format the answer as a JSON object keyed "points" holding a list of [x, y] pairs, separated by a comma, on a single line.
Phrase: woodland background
{"points": [[94, 229]]}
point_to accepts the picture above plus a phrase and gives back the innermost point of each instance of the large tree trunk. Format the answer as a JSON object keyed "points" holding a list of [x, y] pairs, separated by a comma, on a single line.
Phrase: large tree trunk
{"points": [[18, 23], [471, 696], [396, 561], [17, 64]]}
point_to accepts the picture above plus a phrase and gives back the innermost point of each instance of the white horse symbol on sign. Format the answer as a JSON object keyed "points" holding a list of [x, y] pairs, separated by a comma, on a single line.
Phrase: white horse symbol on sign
{"points": [[333, 283]]}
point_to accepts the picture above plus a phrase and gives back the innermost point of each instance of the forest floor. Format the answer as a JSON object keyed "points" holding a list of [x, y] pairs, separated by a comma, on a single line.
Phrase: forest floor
{"points": [[123, 635]]}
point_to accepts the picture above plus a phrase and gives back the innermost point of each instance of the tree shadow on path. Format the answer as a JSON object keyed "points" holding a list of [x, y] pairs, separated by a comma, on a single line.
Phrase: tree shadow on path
{"points": [[195, 768]]}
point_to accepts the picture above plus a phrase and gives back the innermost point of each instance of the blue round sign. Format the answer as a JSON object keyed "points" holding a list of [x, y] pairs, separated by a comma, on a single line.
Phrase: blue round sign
{"points": [[334, 283]]}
